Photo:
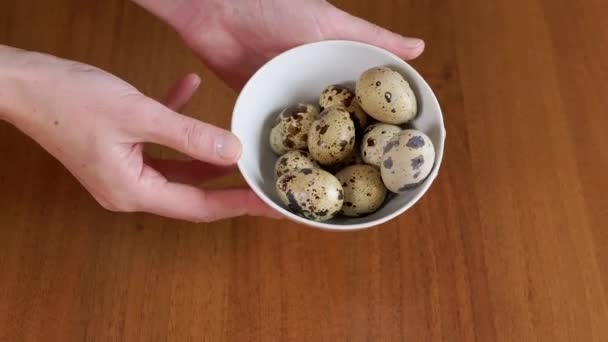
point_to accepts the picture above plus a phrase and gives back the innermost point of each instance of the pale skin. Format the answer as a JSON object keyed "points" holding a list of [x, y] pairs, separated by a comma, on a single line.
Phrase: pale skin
{"points": [[96, 125]]}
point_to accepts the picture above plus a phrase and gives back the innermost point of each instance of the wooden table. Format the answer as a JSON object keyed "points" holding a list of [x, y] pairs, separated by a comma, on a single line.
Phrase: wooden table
{"points": [[510, 244]]}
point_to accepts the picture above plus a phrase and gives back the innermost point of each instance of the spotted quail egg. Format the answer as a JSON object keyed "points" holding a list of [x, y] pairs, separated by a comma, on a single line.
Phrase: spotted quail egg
{"points": [[292, 161], [364, 191], [353, 159], [290, 131], [311, 193], [337, 95], [331, 138], [375, 138], [407, 160], [386, 96]]}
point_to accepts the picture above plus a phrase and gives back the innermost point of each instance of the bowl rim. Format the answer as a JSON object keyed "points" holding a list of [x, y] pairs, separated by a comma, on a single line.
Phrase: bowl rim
{"points": [[355, 226]]}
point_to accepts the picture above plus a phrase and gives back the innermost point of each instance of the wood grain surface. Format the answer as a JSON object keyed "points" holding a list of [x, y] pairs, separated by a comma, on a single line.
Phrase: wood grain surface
{"points": [[510, 243]]}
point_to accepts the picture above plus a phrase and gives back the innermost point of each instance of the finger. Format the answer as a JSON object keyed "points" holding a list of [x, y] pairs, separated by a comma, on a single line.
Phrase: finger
{"points": [[346, 26], [187, 135], [188, 172], [189, 203], [182, 91]]}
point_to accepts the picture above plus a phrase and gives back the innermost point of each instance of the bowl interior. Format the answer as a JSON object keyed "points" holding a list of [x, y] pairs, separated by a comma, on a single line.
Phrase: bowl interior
{"points": [[299, 75]]}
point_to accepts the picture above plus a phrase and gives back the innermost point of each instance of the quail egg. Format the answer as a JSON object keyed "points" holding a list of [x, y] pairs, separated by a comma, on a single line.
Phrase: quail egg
{"points": [[331, 138], [353, 159], [375, 138], [292, 161], [337, 95], [407, 160], [386, 96], [311, 193], [364, 191], [290, 131]]}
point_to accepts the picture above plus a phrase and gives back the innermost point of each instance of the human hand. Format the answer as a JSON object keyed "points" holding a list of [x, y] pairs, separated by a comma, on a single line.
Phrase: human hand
{"points": [[236, 37], [96, 125]]}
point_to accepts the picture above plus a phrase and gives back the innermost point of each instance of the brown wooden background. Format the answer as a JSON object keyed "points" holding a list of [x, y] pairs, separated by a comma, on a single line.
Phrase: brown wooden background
{"points": [[510, 244]]}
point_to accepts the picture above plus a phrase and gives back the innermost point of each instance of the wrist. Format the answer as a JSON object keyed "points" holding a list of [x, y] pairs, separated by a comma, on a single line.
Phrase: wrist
{"points": [[9, 76], [23, 77], [169, 11], [184, 16]]}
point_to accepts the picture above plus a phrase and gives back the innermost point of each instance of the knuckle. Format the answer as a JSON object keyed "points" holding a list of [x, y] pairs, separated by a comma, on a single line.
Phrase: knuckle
{"points": [[207, 218], [119, 205], [195, 136], [198, 220], [376, 32], [108, 206], [130, 103], [126, 207], [205, 215], [131, 110], [82, 68]]}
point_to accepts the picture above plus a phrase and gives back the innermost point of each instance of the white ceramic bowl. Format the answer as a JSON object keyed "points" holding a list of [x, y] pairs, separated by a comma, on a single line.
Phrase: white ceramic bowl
{"points": [[299, 75]]}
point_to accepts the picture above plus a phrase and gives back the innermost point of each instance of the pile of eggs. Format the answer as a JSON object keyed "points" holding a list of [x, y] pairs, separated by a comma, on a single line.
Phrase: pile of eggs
{"points": [[344, 159]]}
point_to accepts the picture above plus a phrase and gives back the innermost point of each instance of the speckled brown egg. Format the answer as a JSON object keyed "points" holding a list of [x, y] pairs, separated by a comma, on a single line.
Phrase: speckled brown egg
{"points": [[331, 138], [364, 191], [293, 161], [311, 193], [375, 138], [290, 131], [407, 161], [386, 96], [337, 95]]}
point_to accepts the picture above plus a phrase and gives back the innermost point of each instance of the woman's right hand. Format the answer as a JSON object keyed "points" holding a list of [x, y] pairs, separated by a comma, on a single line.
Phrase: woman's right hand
{"points": [[237, 37], [96, 125]]}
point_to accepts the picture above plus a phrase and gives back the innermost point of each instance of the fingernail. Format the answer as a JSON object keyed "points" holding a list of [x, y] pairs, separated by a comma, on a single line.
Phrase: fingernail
{"points": [[228, 147], [413, 43]]}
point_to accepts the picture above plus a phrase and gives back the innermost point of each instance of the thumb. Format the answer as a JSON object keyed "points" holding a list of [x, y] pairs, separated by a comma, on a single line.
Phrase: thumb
{"points": [[346, 26], [197, 139]]}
